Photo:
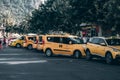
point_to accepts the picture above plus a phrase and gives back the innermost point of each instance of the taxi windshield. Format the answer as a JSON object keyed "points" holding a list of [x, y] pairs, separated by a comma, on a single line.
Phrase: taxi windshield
{"points": [[114, 42]]}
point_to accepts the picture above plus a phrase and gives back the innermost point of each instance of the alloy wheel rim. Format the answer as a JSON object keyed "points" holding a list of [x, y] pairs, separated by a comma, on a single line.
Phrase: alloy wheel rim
{"points": [[108, 59], [48, 52], [77, 54], [30, 47], [18, 45]]}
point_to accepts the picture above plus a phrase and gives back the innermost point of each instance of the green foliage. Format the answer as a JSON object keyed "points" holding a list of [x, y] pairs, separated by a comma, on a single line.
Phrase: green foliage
{"points": [[67, 15]]}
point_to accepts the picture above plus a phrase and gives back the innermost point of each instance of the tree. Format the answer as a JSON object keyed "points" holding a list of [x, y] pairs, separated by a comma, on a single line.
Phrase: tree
{"points": [[53, 15], [67, 15], [112, 17]]}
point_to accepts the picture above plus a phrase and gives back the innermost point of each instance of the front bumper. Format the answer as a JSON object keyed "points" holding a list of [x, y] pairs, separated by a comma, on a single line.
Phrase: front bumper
{"points": [[118, 57]]}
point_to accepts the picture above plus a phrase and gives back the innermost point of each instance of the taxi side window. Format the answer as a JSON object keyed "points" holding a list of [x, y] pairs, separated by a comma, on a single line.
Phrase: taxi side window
{"points": [[30, 38], [34, 38], [65, 40], [50, 39], [57, 39], [22, 38], [101, 41], [113, 41], [53, 39], [95, 41]]}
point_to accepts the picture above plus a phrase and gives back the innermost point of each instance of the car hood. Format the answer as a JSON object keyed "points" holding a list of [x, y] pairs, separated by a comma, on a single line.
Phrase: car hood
{"points": [[117, 47]]}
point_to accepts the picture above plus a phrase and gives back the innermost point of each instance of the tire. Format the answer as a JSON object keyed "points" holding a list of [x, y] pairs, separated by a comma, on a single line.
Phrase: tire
{"points": [[48, 52], [30, 47], [77, 54], [88, 55], [18, 45], [109, 58]]}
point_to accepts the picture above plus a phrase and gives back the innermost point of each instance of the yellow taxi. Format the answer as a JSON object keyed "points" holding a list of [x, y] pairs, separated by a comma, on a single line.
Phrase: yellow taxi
{"points": [[17, 42], [107, 48], [30, 41], [63, 45]]}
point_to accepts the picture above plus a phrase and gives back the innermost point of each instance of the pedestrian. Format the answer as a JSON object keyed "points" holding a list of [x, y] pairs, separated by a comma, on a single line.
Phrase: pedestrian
{"points": [[4, 41], [0, 44]]}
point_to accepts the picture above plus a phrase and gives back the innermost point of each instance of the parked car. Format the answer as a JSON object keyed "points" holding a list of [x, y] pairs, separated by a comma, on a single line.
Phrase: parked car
{"points": [[17, 42], [10, 40], [107, 48], [29, 41], [63, 45]]}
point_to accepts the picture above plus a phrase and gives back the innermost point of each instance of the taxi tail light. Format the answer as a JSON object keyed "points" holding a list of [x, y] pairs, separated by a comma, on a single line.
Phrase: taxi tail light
{"points": [[43, 42], [36, 42]]}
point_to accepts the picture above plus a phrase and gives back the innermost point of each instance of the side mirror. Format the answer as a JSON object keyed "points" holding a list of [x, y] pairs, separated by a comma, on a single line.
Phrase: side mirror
{"points": [[102, 44]]}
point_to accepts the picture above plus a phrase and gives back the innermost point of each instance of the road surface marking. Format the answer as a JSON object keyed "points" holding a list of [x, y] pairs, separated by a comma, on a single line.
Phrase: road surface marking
{"points": [[22, 62]]}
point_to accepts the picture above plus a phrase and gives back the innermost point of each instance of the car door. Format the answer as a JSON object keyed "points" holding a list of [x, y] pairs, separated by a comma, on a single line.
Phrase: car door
{"points": [[66, 47], [100, 51], [92, 45], [55, 45]]}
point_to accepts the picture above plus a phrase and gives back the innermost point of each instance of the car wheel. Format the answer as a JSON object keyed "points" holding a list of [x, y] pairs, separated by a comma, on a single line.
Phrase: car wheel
{"points": [[109, 58], [30, 47], [88, 55], [48, 52], [18, 45], [77, 54]]}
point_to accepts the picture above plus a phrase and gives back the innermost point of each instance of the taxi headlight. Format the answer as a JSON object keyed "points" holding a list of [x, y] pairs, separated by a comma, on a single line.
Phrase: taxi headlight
{"points": [[116, 50]]}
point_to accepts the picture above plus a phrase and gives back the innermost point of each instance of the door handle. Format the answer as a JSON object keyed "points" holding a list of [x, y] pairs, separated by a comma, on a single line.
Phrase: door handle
{"points": [[60, 46]]}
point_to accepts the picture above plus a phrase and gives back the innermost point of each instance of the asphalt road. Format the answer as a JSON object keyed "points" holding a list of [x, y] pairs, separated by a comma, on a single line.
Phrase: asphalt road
{"points": [[22, 64]]}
